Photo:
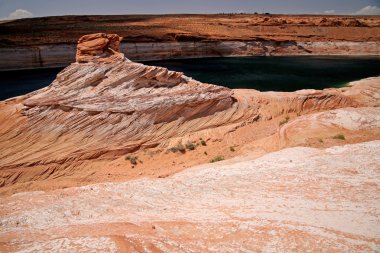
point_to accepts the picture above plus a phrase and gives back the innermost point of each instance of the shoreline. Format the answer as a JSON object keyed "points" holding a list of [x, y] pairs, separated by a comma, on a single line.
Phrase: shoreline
{"points": [[40, 58]]}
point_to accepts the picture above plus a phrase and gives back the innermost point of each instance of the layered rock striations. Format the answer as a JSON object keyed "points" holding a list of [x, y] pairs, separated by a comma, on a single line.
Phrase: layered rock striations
{"points": [[104, 105], [50, 41]]}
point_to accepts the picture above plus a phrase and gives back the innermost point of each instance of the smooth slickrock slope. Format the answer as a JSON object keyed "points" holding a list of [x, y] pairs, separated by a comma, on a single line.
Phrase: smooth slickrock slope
{"points": [[318, 125], [104, 106], [294, 200]]}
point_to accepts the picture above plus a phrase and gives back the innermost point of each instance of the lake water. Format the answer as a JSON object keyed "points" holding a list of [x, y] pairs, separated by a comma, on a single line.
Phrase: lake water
{"points": [[261, 73], [277, 73], [20, 82]]}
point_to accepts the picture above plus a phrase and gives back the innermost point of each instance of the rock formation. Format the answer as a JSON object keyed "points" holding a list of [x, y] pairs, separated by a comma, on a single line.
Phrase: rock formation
{"points": [[103, 107], [99, 47]]}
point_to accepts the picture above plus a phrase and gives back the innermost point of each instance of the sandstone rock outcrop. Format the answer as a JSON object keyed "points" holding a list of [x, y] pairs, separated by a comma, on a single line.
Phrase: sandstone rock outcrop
{"points": [[104, 107], [99, 47]]}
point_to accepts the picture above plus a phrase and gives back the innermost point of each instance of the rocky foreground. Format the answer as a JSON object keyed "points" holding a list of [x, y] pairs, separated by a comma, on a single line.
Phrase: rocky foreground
{"points": [[51, 41], [108, 119], [295, 200]]}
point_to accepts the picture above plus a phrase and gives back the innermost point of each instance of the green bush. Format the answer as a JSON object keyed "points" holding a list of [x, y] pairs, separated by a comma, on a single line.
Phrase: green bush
{"points": [[190, 146], [173, 149], [286, 120], [178, 148], [339, 137], [132, 159], [217, 159]]}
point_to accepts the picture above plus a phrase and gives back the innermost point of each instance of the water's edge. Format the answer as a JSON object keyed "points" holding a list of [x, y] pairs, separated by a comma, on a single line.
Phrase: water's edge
{"points": [[51, 56], [263, 73]]}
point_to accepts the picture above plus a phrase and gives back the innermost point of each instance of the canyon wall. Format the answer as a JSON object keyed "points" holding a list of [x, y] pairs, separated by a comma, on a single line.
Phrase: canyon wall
{"points": [[51, 41], [48, 56]]}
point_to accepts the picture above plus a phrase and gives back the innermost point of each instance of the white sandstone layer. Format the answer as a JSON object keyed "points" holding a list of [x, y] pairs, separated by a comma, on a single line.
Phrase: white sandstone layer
{"points": [[294, 200], [59, 55]]}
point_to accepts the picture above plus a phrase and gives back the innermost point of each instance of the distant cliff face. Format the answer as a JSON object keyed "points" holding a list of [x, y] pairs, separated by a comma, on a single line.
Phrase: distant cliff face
{"points": [[51, 41], [191, 28]]}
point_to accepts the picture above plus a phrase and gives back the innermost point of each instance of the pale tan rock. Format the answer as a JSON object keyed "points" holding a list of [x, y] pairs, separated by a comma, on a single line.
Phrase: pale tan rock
{"points": [[323, 126], [295, 200]]}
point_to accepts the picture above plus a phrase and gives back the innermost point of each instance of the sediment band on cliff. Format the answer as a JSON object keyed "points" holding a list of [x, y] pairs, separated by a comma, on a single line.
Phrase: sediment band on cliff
{"points": [[28, 44]]}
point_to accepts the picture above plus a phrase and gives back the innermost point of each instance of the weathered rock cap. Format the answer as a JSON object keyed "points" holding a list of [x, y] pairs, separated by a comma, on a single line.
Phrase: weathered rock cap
{"points": [[99, 47]]}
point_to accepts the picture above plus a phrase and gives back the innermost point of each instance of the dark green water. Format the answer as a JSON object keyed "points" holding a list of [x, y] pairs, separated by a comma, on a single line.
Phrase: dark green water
{"points": [[261, 73], [277, 73], [20, 82]]}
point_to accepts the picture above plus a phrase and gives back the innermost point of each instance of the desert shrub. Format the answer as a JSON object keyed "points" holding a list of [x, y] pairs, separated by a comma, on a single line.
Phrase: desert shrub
{"points": [[203, 142], [173, 149], [320, 140], [190, 146], [181, 148], [217, 159], [339, 137], [132, 159], [286, 120], [178, 148], [232, 149]]}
